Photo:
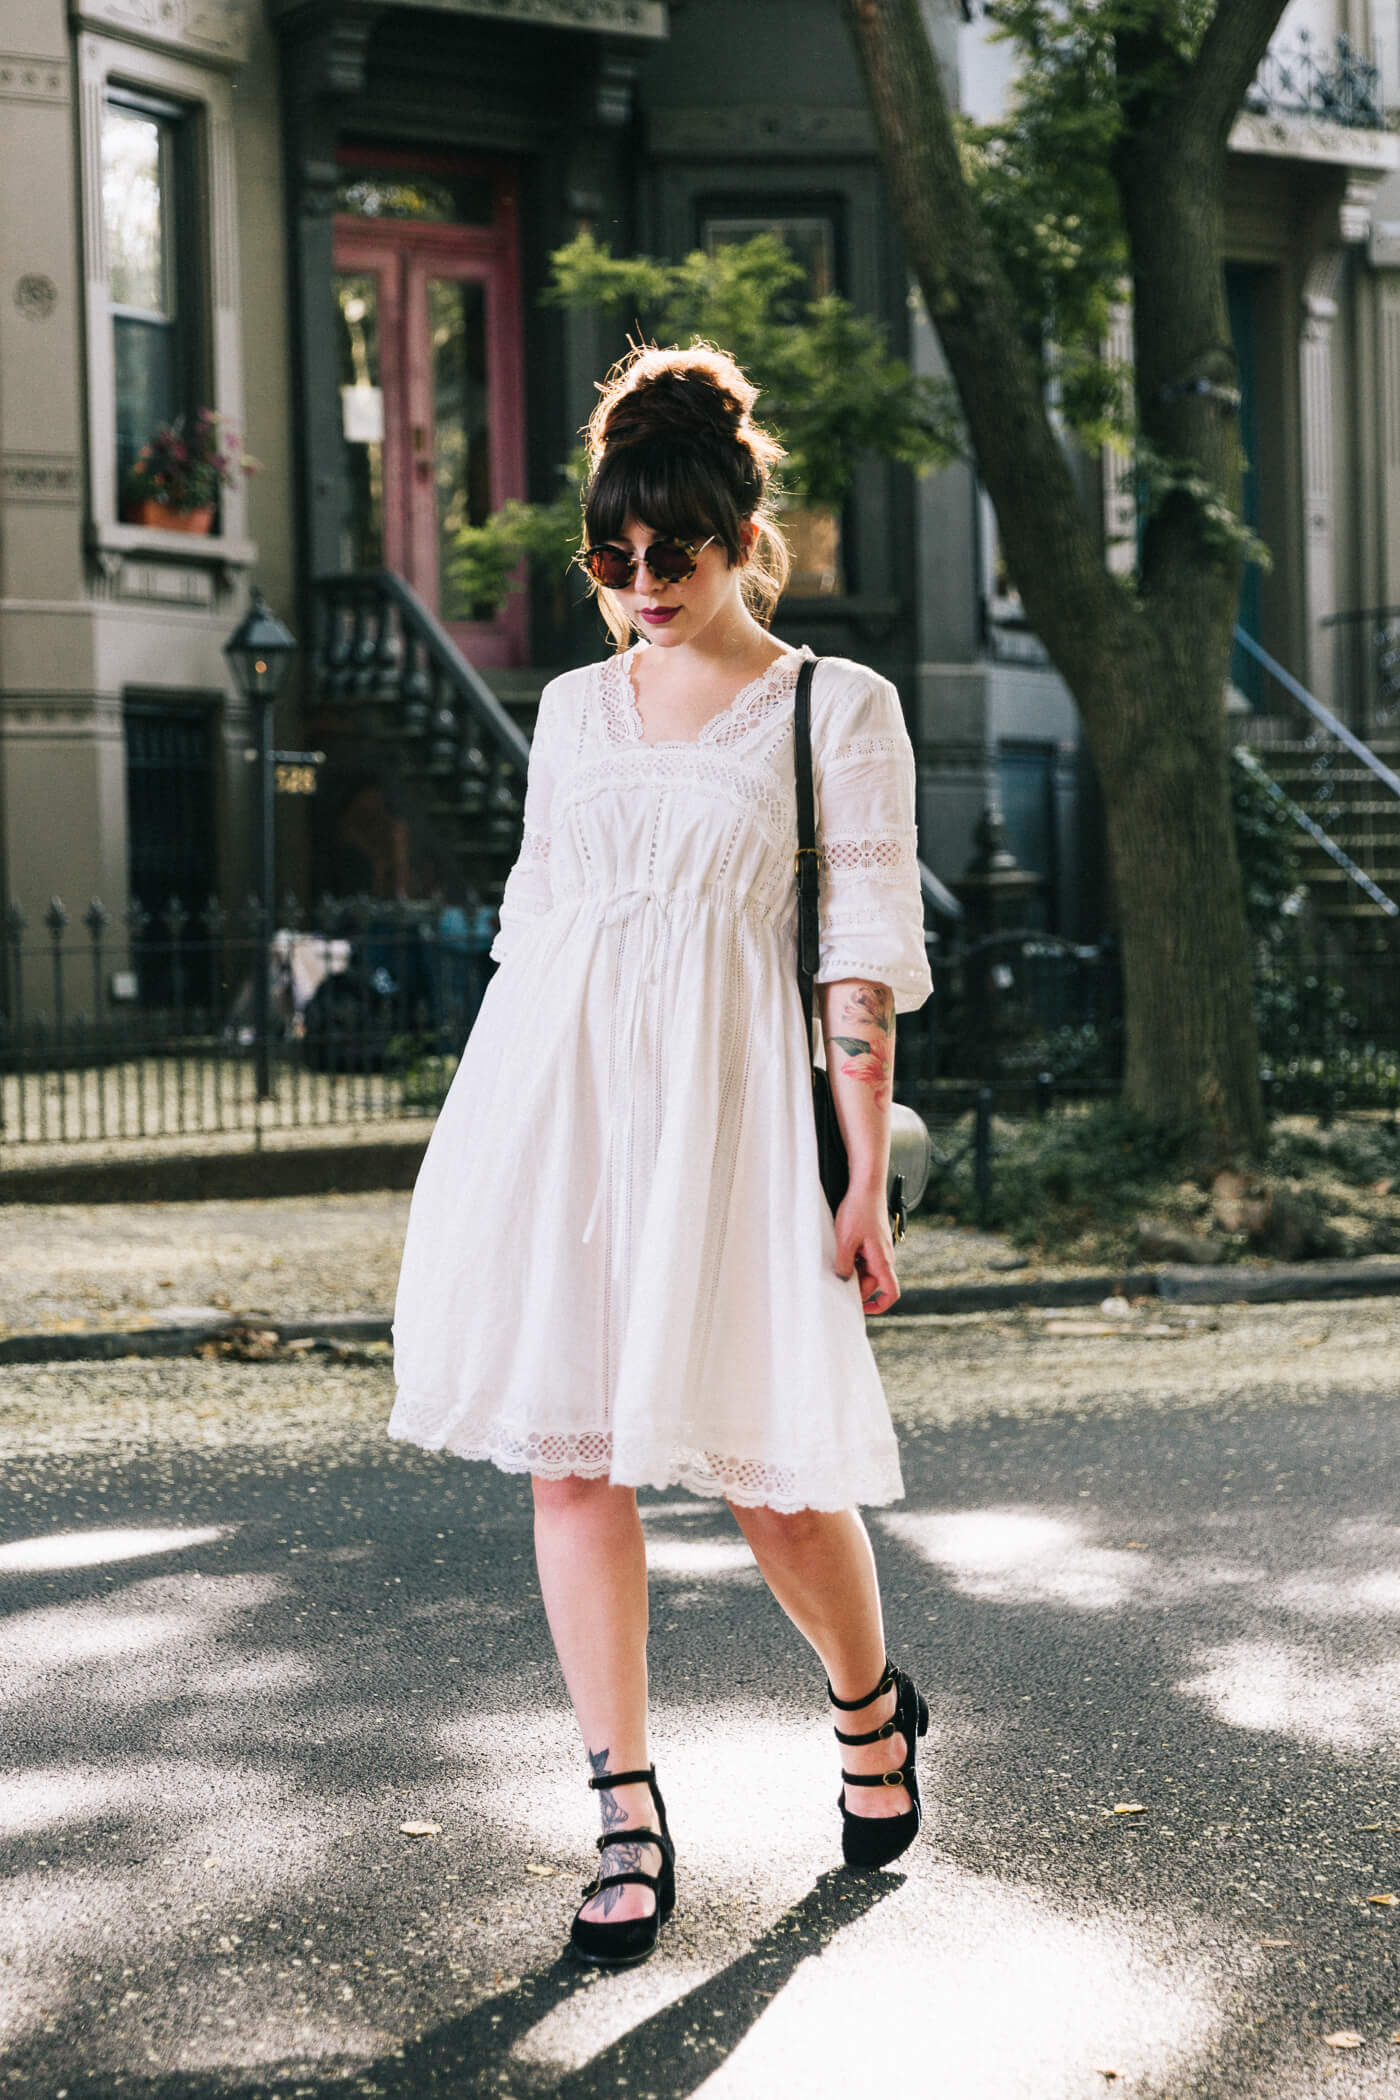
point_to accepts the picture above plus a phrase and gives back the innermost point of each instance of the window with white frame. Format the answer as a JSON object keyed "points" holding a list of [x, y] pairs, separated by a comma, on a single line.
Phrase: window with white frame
{"points": [[160, 244]]}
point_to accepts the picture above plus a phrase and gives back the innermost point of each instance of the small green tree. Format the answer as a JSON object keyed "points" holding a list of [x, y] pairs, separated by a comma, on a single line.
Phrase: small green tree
{"points": [[828, 382]]}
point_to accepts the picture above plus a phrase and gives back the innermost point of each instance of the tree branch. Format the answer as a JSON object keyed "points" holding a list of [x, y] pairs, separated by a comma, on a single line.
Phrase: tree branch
{"points": [[1051, 548], [1231, 51]]}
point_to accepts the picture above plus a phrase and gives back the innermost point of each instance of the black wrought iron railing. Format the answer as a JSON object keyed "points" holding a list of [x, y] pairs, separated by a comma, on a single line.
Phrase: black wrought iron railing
{"points": [[1314, 77], [387, 663], [136, 1029]]}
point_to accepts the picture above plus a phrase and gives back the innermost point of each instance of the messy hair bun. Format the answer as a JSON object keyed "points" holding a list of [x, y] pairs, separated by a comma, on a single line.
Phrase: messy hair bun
{"points": [[673, 444]]}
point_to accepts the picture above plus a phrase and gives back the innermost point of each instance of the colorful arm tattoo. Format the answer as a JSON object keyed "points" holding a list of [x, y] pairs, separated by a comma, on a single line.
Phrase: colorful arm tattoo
{"points": [[869, 1058]]}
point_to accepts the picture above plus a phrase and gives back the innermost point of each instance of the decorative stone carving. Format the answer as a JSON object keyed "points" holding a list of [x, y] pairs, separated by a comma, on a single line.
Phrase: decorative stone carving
{"points": [[211, 29], [40, 477], [26, 79], [724, 130], [629, 17], [36, 297], [1313, 138], [1354, 211]]}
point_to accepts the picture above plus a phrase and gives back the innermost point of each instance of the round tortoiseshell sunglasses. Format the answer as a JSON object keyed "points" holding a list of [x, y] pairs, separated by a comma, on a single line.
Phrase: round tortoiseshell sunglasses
{"points": [[668, 561]]}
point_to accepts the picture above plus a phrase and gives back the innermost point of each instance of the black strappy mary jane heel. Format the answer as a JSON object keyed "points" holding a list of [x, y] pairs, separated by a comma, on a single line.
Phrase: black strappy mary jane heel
{"points": [[619, 1943], [873, 1841]]}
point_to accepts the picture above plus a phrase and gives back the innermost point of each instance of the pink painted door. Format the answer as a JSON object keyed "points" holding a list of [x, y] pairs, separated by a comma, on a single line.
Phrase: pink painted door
{"points": [[431, 314]]}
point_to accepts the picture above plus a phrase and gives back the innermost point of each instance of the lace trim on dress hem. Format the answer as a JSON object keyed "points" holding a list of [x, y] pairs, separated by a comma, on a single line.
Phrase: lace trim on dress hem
{"points": [[587, 1455]]}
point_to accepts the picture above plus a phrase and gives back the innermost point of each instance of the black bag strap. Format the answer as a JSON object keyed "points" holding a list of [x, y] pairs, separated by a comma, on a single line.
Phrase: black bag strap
{"points": [[808, 859]]}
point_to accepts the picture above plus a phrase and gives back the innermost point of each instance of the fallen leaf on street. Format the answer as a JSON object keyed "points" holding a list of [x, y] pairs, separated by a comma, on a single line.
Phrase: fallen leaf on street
{"points": [[420, 1830], [1344, 2038], [1068, 1328], [1308, 1341], [534, 1866], [1135, 1546], [1388, 1901], [1130, 1808]]}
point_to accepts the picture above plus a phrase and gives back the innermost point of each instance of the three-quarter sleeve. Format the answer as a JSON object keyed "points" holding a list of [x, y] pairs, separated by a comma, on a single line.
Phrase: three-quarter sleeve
{"points": [[872, 914], [527, 894]]}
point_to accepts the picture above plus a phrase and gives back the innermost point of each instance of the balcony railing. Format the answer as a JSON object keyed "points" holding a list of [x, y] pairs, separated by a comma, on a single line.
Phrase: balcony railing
{"points": [[1311, 78]]}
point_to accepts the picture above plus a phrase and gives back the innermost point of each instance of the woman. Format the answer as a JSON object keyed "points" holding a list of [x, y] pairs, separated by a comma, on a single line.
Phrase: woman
{"points": [[620, 1268]]}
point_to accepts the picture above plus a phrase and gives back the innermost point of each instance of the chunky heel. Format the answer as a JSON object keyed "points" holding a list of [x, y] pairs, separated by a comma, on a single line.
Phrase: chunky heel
{"points": [[873, 1841], [620, 1943]]}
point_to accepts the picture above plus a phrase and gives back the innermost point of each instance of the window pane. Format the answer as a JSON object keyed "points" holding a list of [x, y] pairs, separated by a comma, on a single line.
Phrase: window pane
{"points": [[134, 210], [461, 427], [146, 384], [454, 200], [361, 420], [810, 242]]}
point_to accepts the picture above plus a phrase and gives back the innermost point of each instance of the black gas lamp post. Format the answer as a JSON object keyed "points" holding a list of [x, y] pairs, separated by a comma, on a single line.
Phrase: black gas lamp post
{"points": [[260, 651]]}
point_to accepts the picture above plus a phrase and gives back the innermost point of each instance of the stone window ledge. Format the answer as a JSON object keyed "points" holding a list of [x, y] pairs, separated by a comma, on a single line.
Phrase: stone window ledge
{"points": [[214, 549]]}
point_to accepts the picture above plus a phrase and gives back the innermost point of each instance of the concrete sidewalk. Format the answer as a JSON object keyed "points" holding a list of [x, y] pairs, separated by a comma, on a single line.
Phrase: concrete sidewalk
{"points": [[165, 1279]]}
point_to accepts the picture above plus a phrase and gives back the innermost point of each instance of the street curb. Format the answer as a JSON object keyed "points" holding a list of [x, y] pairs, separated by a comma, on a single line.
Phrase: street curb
{"points": [[222, 1177], [184, 1337], [1235, 1285], [1178, 1285]]}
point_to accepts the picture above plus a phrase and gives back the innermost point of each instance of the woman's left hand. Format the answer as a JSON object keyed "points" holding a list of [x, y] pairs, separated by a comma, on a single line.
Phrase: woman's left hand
{"points": [[864, 1247]]}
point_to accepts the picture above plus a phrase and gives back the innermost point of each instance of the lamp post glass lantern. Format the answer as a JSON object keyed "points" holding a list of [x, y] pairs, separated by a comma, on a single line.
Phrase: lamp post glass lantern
{"points": [[260, 652]]}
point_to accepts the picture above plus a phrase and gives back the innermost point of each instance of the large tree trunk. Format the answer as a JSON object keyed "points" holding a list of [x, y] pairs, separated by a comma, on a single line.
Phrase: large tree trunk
{"points": [[1148, 675]]}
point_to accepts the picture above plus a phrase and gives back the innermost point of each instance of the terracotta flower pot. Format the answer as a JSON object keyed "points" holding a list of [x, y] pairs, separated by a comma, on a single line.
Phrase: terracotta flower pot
{"points": [[149, 512]]}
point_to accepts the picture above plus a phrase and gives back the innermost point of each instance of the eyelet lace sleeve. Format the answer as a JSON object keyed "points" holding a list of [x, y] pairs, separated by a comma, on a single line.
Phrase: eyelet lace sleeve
{"points": [[527, 893], [872, 914]]}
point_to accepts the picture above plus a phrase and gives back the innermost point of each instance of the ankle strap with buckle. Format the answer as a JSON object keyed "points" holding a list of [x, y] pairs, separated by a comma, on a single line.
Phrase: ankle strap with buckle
{"points": [[851, 1706]]}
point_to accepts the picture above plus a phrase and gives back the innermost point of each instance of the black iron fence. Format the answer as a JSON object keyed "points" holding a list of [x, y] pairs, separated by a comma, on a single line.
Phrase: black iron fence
{"points": [[144, 1028], [148, 1028]]}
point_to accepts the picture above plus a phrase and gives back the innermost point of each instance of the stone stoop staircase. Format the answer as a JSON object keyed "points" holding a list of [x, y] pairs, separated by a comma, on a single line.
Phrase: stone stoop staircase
{"points": [[394, 691], [1343, 795]]}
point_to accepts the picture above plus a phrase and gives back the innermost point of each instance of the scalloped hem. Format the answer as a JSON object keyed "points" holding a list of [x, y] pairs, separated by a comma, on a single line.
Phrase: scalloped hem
{"points": [[839, 1484]]}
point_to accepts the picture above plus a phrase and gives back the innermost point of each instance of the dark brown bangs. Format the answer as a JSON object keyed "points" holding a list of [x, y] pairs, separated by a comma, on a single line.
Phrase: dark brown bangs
{"points": [[671, 488]]}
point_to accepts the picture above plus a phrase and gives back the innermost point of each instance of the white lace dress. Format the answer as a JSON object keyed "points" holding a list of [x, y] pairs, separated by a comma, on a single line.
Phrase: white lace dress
{"points": [[619, 1259]]}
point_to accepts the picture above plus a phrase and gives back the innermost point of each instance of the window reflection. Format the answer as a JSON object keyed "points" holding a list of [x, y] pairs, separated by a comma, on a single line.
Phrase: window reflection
{"points": [[152, 351], [362, 419], [461, 423]]}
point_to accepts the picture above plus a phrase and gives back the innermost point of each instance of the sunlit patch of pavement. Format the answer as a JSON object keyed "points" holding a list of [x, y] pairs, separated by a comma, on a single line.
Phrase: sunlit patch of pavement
{"points": [[1032, 1936], [1349, 1709]]}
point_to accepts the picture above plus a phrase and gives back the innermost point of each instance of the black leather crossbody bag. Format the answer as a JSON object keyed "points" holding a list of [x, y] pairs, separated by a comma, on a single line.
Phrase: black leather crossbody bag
{"points": [[831, 1146]]}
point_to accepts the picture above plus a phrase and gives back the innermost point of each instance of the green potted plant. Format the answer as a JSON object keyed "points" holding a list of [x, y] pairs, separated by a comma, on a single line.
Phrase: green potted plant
{"points": [[174, 481]]}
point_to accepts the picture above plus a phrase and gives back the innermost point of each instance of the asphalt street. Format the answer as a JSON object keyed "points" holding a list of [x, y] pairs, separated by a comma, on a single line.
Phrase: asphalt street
{"points": [[1146, 1571]]}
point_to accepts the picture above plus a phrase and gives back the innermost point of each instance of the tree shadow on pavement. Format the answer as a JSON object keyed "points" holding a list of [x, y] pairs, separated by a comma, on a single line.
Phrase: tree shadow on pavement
{"points": [[665, 2056]]}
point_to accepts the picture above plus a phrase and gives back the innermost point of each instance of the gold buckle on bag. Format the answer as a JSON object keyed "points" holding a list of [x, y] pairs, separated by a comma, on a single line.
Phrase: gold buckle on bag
{"points": [[816, 853]]}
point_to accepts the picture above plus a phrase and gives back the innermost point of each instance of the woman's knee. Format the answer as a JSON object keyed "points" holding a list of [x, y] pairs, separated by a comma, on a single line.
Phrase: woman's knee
{"points": [[573, 1496], [784, 1530]]}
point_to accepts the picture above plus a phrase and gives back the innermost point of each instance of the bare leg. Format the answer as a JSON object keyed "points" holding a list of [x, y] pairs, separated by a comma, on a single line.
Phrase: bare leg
{"points": [[593, 1578], [819, 1566]]}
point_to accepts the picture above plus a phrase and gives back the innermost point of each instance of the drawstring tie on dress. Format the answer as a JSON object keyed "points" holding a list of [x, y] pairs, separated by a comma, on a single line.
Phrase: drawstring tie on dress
{"points": [[649, 911]]}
